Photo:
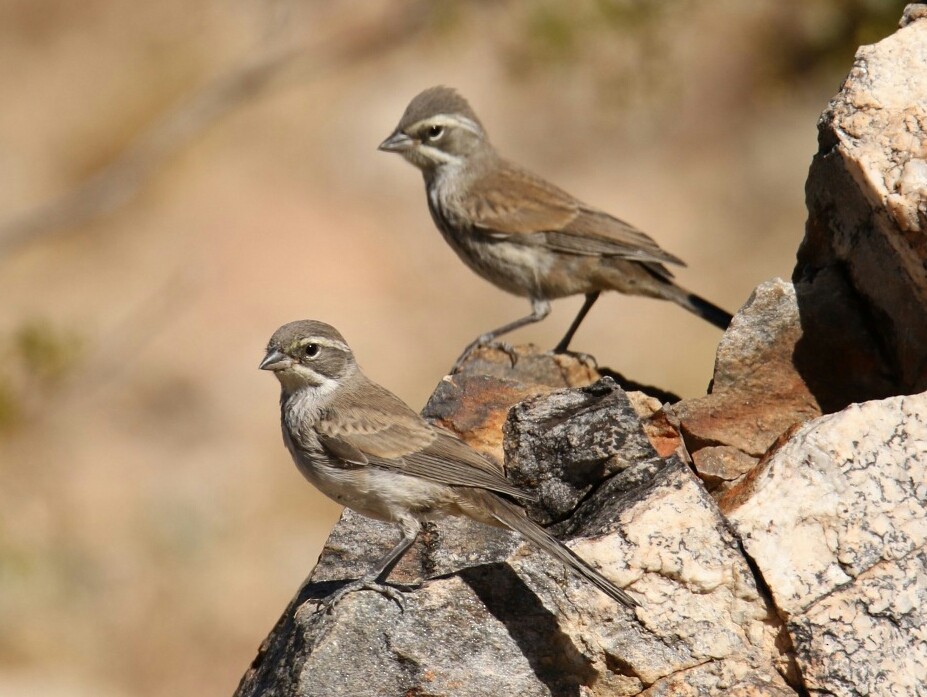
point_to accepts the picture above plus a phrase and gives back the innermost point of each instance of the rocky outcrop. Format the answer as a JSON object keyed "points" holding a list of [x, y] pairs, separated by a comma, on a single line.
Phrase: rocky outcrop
{"points": [[772, 530], [860, 276]]}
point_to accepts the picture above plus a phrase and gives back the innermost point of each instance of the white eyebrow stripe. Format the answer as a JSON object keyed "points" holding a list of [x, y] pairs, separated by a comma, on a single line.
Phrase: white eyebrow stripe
{"points": [[439, 155], [456, 120], [322, 341]]}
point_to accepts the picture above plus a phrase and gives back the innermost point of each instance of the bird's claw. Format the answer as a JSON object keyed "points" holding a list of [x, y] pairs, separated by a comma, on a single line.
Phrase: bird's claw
{"points": [[507, 349], [485, 342], [362, 585]]}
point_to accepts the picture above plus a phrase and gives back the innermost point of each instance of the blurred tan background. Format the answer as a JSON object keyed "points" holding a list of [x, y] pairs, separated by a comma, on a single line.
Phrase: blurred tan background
{"points": [[152, 526]]}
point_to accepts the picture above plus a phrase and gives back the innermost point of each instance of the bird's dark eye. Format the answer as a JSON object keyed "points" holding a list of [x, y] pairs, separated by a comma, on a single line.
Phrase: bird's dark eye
{"points": [[312, 350], [435, 132]]}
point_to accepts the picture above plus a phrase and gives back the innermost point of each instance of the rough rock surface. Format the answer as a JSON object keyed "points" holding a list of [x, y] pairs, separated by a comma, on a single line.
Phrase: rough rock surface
{"points": [[836, 522], [867, 225], [473, 402], [756, 391], [561, 449]]}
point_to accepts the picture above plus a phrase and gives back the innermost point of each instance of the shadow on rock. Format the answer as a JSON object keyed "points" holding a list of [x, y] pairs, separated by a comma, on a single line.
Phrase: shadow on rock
{"points": [[551, 653]]}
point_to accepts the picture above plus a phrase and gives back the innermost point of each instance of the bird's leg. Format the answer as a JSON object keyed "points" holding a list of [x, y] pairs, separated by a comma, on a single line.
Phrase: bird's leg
{"points": [[539, 310], [375, 579], [583, 311]]}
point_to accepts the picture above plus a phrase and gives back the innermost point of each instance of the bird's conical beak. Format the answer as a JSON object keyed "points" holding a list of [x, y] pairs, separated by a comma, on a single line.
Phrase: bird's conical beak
{"points": [[275, 360], [398, 142]]}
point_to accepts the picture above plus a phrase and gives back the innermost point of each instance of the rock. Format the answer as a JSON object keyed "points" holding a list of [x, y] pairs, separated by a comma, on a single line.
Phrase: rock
{"points": [[721, 465], [756, 392], [662, 429], [495, 616], [867, 217], [474, 401], [561, 448], [912, 13], [532, 366], [835, 522]]}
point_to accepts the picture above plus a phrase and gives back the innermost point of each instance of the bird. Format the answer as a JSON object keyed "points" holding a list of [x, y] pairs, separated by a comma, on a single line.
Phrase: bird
{"points": [[519, 231], [366, 449]]}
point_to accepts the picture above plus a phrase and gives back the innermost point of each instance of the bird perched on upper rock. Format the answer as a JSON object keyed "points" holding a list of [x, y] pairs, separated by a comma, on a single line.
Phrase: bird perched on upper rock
{"points": [[520, 232], [361, 446]]}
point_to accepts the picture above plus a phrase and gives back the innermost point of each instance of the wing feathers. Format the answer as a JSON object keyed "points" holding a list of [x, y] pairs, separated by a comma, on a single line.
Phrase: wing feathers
{"points": [[513, 204], [383, 432]]}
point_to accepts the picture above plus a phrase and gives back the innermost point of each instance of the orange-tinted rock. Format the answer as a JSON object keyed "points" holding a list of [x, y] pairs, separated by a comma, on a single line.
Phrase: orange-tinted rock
{"points": [[475, 401], [757, 392]]}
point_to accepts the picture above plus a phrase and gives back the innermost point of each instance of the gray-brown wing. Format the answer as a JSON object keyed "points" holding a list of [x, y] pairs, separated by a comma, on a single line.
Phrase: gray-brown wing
{"points": [[594, 232], [382, 431], [512, 204], [451, 461]]}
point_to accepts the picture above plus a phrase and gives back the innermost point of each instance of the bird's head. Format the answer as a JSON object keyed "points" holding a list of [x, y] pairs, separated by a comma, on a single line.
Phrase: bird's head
{"points": [[309, 355], [438, 128]]}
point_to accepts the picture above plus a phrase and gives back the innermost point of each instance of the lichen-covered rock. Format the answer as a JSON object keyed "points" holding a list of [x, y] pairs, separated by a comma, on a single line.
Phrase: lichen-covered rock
{"points": [[836, 522], [562, 448]]}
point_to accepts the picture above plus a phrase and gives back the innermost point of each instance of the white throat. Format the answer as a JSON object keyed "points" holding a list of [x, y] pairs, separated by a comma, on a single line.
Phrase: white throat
{"points": [[305, 404]]}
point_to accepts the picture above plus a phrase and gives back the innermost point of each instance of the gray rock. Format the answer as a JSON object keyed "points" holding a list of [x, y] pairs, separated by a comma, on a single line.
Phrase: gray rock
{"points": [[564, 447]]}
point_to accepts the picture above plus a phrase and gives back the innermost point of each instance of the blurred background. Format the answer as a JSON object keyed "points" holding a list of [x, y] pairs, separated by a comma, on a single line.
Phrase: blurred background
{"points": [[179, 178]]}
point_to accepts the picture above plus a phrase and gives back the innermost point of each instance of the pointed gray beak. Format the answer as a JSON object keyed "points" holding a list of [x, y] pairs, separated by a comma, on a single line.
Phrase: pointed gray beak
{"points": [[398, 142], [275, 360]]}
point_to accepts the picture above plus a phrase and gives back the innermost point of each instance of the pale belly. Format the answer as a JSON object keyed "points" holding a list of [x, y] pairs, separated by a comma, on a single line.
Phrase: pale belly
{"points": [[527, 270], [378, 493]]}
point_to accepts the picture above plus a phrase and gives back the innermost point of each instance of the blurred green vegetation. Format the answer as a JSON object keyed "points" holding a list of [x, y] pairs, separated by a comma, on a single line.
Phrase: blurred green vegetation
{"points": [[798, 40], [805, 40], [38, 358]]}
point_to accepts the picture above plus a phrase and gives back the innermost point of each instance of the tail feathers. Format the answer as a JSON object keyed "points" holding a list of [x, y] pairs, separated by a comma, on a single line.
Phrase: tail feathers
{"points": [[511, 516], [704, 309], [668, 290]]}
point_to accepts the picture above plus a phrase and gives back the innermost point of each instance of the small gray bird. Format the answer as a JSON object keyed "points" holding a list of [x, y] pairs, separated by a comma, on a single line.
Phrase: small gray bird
{"points": [[520, 232], [363, 447]]}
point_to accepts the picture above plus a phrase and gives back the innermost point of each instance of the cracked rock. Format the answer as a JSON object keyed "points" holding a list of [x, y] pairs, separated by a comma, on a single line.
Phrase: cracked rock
{"points": [[757, 393], [835, 522]]}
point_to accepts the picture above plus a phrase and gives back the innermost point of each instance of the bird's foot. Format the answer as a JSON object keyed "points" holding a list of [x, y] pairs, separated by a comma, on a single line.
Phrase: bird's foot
{"points": [[581, 356], [364, 584], [507, 349], [485, 341]]}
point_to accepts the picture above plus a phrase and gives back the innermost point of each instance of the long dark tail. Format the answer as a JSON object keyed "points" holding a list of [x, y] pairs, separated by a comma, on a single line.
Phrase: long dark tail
{"points": [[695, 304], [512, 517], [701, 307]]}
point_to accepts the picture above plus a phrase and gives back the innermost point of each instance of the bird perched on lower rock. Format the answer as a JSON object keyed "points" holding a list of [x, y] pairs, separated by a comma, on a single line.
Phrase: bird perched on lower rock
{"points": [[363, 447], [520, 232]]}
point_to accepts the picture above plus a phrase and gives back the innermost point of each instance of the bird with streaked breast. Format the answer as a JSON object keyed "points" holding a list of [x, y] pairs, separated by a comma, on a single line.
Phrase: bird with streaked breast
{"points": [[363, 447], [522, 233]]}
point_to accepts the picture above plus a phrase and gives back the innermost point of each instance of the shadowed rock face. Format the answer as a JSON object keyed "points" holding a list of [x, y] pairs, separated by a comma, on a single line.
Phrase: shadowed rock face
{"points": [[807, 576], [861, 275]]}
